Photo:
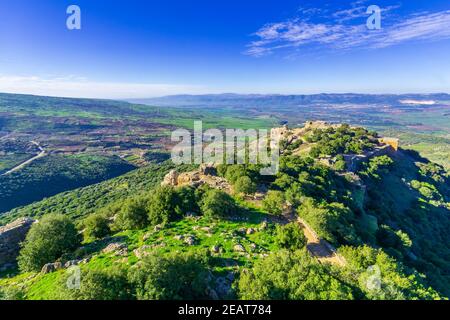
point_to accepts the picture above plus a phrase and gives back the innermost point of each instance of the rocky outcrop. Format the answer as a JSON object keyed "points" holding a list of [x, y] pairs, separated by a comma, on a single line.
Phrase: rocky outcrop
{"points": [[205, 175], [11, 236]]}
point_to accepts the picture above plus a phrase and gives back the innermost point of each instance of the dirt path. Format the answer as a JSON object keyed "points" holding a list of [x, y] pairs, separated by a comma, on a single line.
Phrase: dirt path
{"points": [[320, 248], [41, 154]]}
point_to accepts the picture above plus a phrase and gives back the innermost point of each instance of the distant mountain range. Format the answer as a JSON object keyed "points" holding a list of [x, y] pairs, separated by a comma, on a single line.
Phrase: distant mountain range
{"points": [[258, 100]]}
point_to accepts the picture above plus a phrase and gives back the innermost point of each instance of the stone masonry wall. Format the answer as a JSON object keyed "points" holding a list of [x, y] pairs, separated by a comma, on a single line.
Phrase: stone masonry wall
{"points": [[11, 236]]}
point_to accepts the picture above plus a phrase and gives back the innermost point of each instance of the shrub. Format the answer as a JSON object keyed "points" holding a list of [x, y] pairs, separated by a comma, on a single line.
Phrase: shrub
{"points": [[217, 204], [234, 172], [47, 241], [394, 283], [177, 276], [11, 293], [133, 215], [287, 275], [96, 226], [163, 206], [290, 237], [111, 284], [274, 202], [186, 200], [244, 185]]}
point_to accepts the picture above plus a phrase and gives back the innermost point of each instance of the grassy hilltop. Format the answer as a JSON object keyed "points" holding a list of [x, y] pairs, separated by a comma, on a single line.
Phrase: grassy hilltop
{"points": [[322, 228]]}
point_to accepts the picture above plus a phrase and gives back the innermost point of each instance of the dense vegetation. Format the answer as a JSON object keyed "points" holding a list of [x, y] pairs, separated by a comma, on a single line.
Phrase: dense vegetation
{"points": [[54, 174], [389, 221]]}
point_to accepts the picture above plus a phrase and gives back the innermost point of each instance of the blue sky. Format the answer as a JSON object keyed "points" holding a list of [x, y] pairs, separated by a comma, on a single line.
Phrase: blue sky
{"points": [[137, 49]]}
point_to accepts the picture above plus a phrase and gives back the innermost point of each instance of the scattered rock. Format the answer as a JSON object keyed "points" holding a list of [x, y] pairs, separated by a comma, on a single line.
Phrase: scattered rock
{"points": [[242, 230], [179, 237], [158, 245], [142, 251], [71, 263], [118, 248], [51, 267], [190, 240], [264, 225], [207, 230], [253, 247], [239, 248]]}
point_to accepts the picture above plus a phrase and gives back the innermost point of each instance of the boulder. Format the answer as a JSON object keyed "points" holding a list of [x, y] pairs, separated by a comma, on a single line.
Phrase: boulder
{"points": [[239, 248], [72, 263], [51, 267], [190, 240], [171, 179], [11, 236], [118, 248], [142, 251]]}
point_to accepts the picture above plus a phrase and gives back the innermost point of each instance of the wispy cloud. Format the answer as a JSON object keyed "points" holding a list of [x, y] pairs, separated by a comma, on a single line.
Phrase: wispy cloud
{"points": [[72, 86], [340, 32]]}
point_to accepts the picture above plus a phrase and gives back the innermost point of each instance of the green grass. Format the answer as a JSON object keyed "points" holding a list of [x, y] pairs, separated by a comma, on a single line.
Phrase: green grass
{"points": [[224, 233]]}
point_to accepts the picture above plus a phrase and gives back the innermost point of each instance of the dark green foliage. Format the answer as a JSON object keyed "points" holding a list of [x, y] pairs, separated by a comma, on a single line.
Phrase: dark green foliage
{"points": [[163, 206], [176, 276], [187, 200], [47, 241], [333, 222], [11, 293], [96, 226], [343, 140], [381, 277], [133, 215], [377, 166], [290, 237], [287, 275], [54, 174], [244, 185], [413, 228], [80, 203], [218, 204], [274, 202]]}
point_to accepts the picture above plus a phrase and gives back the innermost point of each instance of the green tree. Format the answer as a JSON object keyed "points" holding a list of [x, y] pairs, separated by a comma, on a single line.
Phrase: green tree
{"points": [[47, 241], [217, 204], [392, 281], [291, 275], [176, 276], [164, 206], [244, 185], [96, 226], [290, 237], [234, 172], [274, 202], [107, 284], [133, 215]]}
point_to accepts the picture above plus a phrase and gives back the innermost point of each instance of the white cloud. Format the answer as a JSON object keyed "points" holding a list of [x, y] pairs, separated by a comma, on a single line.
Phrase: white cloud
{"points": [[71, 86], [339, 34]]}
